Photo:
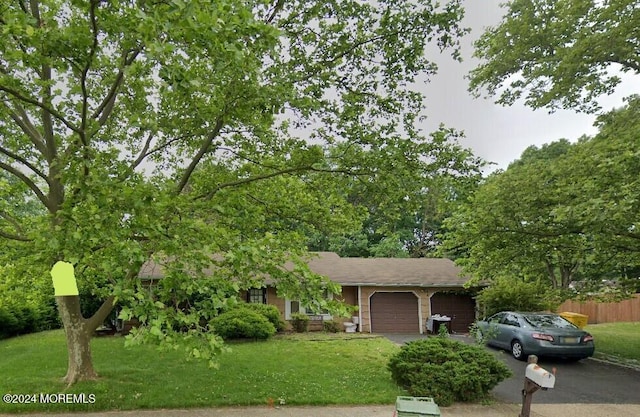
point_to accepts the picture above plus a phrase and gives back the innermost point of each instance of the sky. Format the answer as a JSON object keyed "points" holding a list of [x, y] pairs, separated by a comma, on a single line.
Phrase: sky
{"points": [[496, 133]]}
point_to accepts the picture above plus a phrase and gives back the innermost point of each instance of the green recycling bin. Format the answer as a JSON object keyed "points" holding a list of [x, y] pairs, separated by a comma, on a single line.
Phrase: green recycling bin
{"points": [[416, 407]]}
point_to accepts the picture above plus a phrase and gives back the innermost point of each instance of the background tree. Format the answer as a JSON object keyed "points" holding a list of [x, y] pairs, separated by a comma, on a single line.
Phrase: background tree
{"points": [[403, 213], [602, 174], [564, 214], [508, 227], [143, 128], [558, 54]]}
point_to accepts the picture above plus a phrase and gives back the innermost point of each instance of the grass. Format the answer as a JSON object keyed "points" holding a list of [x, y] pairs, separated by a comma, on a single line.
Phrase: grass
{"points": [[618, 340], [300, 370]]}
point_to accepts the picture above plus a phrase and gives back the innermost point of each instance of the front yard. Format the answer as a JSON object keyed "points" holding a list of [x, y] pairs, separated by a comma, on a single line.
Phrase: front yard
{"points": [[617, 341], [284, 370]]}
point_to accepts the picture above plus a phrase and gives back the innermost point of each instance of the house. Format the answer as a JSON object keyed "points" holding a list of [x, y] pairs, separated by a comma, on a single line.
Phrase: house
{"points": [[393, 295]]}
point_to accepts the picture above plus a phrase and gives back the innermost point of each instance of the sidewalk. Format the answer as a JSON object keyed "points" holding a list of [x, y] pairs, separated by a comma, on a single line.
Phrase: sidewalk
{"points": [[459, 410]]}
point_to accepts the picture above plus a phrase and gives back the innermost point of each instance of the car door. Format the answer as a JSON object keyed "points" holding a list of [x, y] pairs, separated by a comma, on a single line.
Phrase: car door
{"points": [[508, 329], [493, 328]]}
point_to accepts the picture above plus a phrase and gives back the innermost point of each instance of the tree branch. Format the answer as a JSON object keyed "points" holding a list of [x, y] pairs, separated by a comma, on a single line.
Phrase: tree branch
{"points": [[274, 12], [99, 316], [16, 225], [105, 108], [143, 153], [307, 168], [85, 71], [24, 162], [11, 220], [14, 237], [206, 145], [20, 116], [44, 107], [28, 182]]}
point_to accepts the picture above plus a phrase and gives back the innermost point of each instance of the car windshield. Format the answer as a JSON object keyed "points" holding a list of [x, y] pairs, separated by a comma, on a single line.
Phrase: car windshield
{"points": [[548, 321]]}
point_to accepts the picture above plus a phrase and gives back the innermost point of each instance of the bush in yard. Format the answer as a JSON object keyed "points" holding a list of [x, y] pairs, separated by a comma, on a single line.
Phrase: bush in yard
{"points": [[270, 312], [9, 324], [18, 319], [447, 370], [331, 326], [242, 323], [517, 295], [300, 322]]}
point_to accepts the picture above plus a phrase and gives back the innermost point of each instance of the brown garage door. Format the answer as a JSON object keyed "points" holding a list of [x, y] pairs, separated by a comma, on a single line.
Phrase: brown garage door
{"points": [[394, 312], [460, 307]]}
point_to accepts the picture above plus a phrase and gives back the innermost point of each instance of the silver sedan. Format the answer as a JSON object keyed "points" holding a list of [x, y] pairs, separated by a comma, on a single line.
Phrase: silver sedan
{"points": [[542, 334]]}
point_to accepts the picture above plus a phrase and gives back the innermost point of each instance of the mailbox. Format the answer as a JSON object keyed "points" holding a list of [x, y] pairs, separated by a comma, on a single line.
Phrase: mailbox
{"points": [[540, 376]]}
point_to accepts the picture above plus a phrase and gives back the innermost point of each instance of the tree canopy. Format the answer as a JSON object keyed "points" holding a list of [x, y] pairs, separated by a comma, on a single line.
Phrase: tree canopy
{"points": [[564, 214], [175, 130], [558, 53]]}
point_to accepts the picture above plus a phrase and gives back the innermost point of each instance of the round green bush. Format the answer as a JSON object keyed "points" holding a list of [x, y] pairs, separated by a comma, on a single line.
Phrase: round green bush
{"points": [[271, 313], [242, 323], [446, 370]]}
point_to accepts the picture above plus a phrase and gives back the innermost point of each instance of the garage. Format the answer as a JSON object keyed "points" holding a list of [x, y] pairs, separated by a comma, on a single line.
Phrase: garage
{"points": [[460, 307], [394, 312]]}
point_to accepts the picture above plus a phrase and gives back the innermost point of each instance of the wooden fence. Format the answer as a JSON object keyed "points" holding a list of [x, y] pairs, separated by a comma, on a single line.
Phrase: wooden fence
{"points": [[627, 310]]}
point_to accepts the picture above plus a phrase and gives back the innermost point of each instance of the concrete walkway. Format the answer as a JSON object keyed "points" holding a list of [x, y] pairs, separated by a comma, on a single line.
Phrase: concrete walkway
{"points": [[459, 410]]}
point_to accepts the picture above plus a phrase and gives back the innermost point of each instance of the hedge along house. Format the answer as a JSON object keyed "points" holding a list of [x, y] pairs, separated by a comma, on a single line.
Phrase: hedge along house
{"points": [[393, 295]]}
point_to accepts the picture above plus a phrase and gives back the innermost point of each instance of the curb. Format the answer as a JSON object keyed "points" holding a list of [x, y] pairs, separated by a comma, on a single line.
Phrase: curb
{"points": [[612, 360]]}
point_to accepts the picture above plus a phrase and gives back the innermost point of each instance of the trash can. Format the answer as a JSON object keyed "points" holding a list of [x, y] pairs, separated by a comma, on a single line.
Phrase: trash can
{"points": [[434, 322], [578, 319], [416, 407]]}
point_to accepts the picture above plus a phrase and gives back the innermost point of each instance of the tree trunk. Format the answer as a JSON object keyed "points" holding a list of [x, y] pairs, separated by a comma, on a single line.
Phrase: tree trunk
{"points": [[79, 331]]}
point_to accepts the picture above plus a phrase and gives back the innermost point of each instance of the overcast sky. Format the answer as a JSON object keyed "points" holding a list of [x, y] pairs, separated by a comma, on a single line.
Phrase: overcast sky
{"points": [[496, 133]]}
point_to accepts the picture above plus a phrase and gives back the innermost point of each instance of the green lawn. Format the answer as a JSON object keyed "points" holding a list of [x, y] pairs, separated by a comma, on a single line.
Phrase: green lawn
{"points": [[297, 370], [620, 340]]}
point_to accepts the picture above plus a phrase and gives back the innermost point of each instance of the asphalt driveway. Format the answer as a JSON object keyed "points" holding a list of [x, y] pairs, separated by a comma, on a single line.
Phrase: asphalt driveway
{"points": [[589, 381]]}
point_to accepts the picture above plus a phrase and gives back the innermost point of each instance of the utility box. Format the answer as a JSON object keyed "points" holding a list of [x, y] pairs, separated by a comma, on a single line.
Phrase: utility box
{"points": [[578, 319], [416, 407]]}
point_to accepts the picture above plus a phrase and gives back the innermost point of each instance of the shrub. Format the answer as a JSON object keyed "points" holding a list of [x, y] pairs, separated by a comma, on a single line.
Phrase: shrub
{"points": [[18, 318], [516, 295], [48, 317], [9, 324], [331, 326], [447, 370], [300, 322], [270, 312], [242, 323]]}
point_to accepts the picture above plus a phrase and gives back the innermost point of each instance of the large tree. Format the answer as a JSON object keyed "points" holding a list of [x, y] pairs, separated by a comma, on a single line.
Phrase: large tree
{"points": [[175, 130], [403, 215], [565, 55], [508, 228], [558, 53], [562, 214], [602, 175]]}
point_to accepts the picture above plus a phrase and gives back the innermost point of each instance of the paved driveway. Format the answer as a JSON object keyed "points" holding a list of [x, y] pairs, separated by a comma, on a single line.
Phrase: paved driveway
{"points": [[587, 382]]}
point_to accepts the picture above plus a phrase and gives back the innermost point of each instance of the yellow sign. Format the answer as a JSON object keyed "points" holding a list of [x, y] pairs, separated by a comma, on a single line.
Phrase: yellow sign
{"points": [[64, 280]]}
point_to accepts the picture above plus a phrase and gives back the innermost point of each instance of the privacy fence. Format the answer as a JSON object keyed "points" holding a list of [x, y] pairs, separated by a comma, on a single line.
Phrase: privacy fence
{"points": [[627, 310]]}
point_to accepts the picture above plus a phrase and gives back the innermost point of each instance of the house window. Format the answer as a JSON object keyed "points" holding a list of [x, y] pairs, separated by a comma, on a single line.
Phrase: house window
{"points": [[257, 296]]}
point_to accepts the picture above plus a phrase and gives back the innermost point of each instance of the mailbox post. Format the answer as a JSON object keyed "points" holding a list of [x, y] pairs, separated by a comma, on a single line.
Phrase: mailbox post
{"points": [[535, 378]]}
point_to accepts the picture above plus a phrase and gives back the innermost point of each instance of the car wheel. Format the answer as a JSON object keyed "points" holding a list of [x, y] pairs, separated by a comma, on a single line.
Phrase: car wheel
{"points": [[517, 350]]}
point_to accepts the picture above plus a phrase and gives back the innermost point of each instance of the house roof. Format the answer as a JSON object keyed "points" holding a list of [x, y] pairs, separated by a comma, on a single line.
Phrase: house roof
{"points": [[420, 272]]}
